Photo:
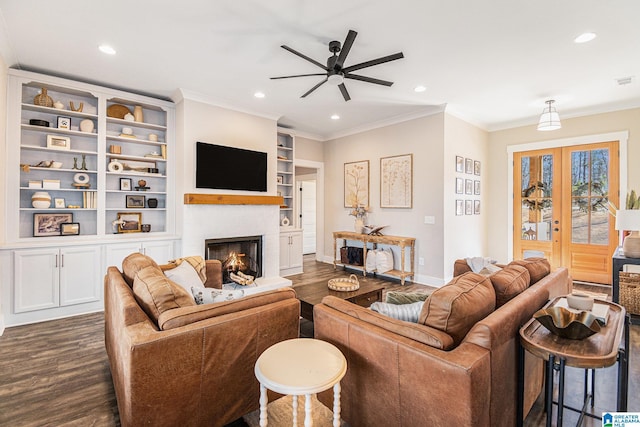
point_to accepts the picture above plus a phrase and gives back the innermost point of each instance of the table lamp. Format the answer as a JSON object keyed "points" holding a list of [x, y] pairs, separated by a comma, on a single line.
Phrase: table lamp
{"points": [[629, 220]]}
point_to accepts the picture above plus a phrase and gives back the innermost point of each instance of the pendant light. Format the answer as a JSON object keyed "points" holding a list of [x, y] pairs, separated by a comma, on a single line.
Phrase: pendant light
{"points": [[549, 119]]}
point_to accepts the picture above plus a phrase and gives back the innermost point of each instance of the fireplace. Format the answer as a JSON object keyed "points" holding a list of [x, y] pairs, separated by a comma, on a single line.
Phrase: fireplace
{"points": [[238, 255]]}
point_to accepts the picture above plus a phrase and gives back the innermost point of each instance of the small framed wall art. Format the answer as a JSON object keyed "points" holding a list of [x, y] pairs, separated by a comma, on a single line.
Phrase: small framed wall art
{"points": [[476, 207], [468, 186], [459, 164], [476, 167], [356, 184], [55, 142], [64, 122], [129, 222], [459, 186], [70, 229], [459, 207], [396, 181], [468, 166], [468, 207], [476, 188], [135, 201], [125, 184], [48, 224], [59, 203]]}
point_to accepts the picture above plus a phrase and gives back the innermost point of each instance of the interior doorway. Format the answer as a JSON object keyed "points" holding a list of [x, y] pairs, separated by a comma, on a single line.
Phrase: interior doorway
{"points": [[307, 216], [561, 207], [309, 211]]}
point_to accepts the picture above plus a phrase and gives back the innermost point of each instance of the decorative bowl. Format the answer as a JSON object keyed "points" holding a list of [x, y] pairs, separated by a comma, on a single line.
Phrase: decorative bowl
{"points": [[567, 324], [580, 301], [344, 285], [56, 165]]}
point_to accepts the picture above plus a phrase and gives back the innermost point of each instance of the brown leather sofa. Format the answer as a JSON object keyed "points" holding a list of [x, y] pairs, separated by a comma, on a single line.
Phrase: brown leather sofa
{"points": [[198, 368], [411, 374]]}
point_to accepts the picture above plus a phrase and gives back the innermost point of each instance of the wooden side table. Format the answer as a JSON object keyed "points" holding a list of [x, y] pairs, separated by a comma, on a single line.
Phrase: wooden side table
{"points": [[301, 366], [600, 350]]}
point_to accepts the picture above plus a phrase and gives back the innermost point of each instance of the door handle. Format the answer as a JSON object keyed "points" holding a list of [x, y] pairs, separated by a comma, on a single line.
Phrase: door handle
{"points": [[62, 260], [56, 261]]}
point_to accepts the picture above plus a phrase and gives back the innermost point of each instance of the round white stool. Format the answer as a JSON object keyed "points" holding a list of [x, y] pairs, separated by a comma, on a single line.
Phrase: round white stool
{"points": [[301, 366]]}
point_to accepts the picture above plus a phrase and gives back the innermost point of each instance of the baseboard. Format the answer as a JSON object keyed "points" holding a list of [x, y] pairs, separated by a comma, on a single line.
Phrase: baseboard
{"points": [[1, 324]]}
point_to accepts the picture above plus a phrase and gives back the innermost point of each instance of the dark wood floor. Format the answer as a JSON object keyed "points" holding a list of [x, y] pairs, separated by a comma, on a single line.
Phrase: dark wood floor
{"points": [[56, 373]]}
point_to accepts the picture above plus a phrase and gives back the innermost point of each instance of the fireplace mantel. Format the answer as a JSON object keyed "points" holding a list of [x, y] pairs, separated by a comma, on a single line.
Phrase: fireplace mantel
{"points": [[230, 199]]}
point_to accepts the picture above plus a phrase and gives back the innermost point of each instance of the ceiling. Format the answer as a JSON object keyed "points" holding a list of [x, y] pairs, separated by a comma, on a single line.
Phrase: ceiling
{"points": [[492, 63]]}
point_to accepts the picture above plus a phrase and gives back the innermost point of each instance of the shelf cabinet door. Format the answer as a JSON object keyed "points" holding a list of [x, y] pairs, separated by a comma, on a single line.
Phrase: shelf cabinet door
{"points": [[80, 275], [160, 251], [36, 285], [295, 250]]}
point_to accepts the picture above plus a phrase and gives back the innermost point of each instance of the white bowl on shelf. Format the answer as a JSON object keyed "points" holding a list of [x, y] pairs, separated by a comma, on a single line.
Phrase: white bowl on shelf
{"points": [[56, 165]]}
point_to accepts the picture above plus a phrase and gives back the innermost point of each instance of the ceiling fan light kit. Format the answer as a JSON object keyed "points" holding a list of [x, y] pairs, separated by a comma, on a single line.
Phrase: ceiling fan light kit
{"points": [[549, 119], [336, 72]]}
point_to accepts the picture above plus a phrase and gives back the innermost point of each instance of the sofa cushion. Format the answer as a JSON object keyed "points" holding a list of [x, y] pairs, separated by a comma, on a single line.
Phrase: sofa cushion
{"points": [[509, 282], [457, 306], [538, 267], [404, 312], [186, 276], [156, 293], [394, 297], [134, 263]]}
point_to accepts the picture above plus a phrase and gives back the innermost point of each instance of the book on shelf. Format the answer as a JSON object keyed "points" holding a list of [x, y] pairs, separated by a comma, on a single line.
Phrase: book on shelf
{"points": [[89, 199]]}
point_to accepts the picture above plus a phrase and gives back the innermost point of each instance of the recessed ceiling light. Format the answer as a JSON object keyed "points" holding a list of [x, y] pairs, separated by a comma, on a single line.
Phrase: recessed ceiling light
{"points": [[585, 37], [335, 117], [105, 48], [259, 94], [419, 89]]}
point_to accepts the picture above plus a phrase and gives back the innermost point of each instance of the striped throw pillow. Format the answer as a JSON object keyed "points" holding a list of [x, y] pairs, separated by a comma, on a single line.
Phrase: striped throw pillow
{"points": [[405, 312]]}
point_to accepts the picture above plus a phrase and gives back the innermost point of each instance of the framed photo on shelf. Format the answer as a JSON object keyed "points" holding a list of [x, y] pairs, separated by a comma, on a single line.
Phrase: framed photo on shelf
{"points": [[129, 222], [64, 122], [280, 179], [468, 166], [476, 207], [476, 188], [468, 186], [396, 181], [59, 203], [476, 167], [468, 207], [125, 184], [459, 164], [356, 184], [459, 186], [135, 201], [70, 229], [55, 142], [459, 207], [48, 224]]}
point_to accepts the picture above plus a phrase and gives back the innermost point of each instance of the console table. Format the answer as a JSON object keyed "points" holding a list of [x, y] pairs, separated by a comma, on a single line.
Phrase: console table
{"points": [[401, 242]]}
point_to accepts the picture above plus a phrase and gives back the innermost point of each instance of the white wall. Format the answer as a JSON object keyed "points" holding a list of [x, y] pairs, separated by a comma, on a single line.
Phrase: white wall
{"points": [[498, 175], [422, 137], [466, 235], [3, 167], [198, 121]]}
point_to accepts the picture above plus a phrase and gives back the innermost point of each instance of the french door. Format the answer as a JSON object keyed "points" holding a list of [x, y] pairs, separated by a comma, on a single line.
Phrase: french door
{"points": [[561, 207]]}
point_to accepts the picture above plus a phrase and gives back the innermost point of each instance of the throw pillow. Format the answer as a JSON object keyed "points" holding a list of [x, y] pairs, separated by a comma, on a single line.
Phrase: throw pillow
{"points": [[509, 282], [393, 297], [457, 306], [207, 296], [186, 276], [156, 293], [384, 260], [405, 312], [538, 267], [198, 264], [134, 263]]}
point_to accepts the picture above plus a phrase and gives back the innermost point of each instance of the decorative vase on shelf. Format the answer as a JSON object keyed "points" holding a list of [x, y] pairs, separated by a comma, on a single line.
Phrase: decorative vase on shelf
{"points": [[43, 99], [137, 113], [359, 225], [41, 200], [86, 125]]}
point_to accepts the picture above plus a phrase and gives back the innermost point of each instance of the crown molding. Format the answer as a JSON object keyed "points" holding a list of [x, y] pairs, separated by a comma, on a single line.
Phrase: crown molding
{"points": [[180, 95]]}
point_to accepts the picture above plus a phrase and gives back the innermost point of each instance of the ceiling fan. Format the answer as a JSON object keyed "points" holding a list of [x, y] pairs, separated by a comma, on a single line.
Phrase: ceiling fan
{"points": [[336, 72]]}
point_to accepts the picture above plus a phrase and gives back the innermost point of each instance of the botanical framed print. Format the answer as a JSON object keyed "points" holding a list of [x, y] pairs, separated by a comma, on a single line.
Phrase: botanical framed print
{"points": [[459, 164], [459, 207], [476, 188], [129, 222], [64, 122], [476, 207], [459, 186], [468, 166], [356, 184], [125, 184], [48, 224], [135, 201], [468, 207], [396, 181], [476, 167], [70, 229], [55, 142], [468, 186]]}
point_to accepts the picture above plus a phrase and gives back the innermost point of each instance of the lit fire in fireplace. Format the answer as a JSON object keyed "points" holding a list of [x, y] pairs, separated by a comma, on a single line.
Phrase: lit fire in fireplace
{"points": [[234, 262]]}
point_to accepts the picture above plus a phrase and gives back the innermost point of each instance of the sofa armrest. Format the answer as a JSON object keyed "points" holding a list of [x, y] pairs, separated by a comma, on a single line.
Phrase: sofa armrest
{"points": [[417, 332], [214, 274], [182, 316]]}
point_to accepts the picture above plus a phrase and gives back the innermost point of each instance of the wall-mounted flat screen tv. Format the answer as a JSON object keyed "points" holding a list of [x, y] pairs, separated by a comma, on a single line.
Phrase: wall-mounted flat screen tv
{"points": [[230, 168]]}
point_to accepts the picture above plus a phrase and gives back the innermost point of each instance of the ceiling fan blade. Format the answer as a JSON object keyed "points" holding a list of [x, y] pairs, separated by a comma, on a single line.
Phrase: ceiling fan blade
{"points": [[298, 75], [373, 62], [345, 94], [315, 87], [368, 79], [346, 47], [303, 56]]}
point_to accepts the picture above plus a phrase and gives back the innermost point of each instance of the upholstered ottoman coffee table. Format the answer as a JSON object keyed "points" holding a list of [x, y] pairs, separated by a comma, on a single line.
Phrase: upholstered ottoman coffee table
{"points": [[301, 366]]}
